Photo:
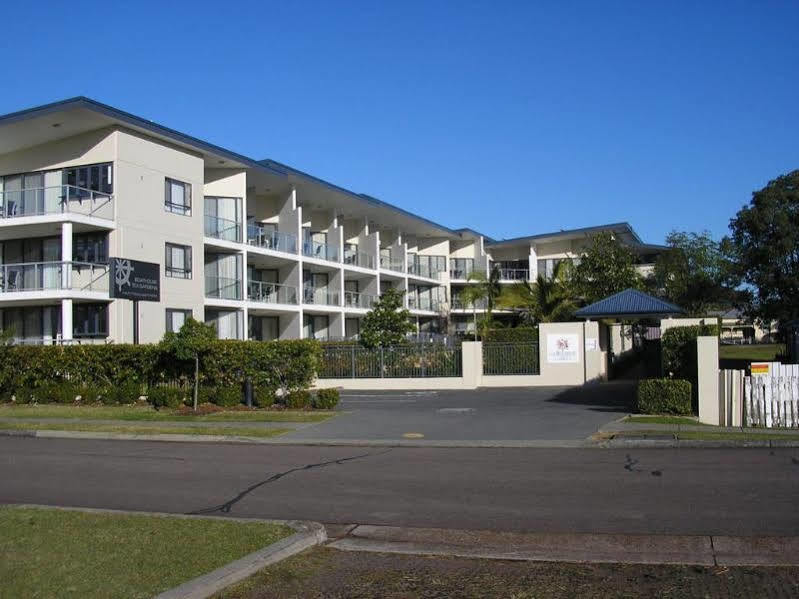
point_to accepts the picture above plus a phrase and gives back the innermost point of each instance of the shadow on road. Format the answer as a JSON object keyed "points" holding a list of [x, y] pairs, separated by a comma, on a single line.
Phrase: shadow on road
{"points": [[617, 396]]}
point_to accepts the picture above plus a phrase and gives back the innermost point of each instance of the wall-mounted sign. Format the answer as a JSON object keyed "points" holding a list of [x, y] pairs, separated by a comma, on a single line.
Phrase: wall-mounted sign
{"points": [[134, 280], [562, 349], [591, 344], [760, 368]]}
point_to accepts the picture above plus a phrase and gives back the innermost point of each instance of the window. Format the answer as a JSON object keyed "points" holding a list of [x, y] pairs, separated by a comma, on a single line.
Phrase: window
{"points": [[83, 180], [178, 261], [90, 247], [461, 268], [175, 319], [90, 320], [177, 197]]}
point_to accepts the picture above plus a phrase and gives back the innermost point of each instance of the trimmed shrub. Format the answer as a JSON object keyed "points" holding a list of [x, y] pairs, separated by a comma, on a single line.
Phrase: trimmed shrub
{"points": [[664, 396], [513, 335], [90, 393], [124, 392], [679, 349], [325, 399], [227, 396], [263, 397], [299, 399], [165, 397], [24, 394]]}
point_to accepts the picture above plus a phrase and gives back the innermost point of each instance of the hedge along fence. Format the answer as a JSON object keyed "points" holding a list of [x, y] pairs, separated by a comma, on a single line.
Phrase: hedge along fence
{"points": [[663, 396], [678, 353], [510, 358], [513, 335], [272, 366]]}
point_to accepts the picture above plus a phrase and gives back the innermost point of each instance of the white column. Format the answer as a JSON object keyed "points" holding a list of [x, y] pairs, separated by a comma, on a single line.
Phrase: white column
{"points": [[245, 284], [66, 319], [66, 257], [533, 262]]}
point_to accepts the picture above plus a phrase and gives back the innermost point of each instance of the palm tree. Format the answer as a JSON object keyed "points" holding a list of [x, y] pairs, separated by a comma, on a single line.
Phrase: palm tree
{"points": [[481, 289], [545, 300]]}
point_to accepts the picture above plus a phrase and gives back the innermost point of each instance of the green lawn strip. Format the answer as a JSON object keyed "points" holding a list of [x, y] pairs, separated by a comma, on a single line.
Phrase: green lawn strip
{"points": [[766, 352], [712, 436], [144, 430], [662, 420], [148, 413], [54, 553]]}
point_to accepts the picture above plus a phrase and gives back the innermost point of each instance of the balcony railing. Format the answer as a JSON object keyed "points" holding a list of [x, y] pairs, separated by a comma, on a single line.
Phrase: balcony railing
{"points": [[321, 251], [222, 228], [271, 240], [353, 299], [271, 293], [319, 296], [358, 258], [42, 276], [56, 199], [390, 263], [459, 304], [222, 288], [424, 303], [424, 270], [460, 274], [514, 274]]}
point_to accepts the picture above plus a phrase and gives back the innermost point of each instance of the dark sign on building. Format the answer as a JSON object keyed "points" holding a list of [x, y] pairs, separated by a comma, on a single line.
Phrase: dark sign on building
{"points": [[134, 280]]}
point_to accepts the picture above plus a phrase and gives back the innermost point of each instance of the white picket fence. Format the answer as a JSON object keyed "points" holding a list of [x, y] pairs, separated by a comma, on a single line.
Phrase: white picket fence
{"points": [[772, 400]]}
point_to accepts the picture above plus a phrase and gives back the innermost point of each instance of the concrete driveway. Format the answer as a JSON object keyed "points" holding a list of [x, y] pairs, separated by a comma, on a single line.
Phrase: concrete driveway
{"points": [[528, 414]]}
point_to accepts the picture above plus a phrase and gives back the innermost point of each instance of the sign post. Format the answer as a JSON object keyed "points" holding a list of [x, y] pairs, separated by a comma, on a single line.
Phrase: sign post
{"points": [[136, 281]]}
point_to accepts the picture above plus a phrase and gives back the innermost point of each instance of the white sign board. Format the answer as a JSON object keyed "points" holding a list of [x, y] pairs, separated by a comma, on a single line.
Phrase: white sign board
{"points": [[590, 344], [562, 349]]}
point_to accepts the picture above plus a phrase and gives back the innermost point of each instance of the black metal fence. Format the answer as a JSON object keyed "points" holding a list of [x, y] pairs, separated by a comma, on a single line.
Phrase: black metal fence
{"points": [[510, 358], [421, 360]]}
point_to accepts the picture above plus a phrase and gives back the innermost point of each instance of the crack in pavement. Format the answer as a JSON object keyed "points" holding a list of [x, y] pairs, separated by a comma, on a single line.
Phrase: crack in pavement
{"points": [[227, 507]]}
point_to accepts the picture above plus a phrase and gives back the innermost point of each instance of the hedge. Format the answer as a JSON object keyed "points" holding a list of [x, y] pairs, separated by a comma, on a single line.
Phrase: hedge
{"points": [[679, 350], [512, 335], [664, 396], [121, 373]]}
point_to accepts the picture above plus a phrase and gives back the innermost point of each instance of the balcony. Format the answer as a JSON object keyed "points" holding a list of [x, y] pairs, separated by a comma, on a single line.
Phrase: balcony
{"points": [[222, 288], [268, 239], [423, 270], [514, 274], [53, 276], [271, 293], [357, 258], [390, 263], [222, 228], [320, 251], [57, 199], [353, 299], [460, 274], [459, 304], [320, 296], [424, 303]]}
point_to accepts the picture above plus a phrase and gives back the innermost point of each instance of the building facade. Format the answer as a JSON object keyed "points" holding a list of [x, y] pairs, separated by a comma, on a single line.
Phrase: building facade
{"points": [[259, 249]]}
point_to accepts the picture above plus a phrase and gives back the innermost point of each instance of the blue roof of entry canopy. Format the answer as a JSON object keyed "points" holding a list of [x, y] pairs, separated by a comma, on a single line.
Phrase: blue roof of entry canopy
{"points": [[629, 303]]}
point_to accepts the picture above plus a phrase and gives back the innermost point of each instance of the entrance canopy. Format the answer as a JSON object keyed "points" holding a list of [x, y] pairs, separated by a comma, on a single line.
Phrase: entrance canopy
{"points": [[629, 304]]}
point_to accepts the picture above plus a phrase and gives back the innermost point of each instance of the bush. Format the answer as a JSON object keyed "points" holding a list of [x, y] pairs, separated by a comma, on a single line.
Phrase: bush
{"points": [[298, 400], [90, 393], [263, 397], [165, 397], [325, 399], [514, 335], [62, 392], [124, 392], [679, 350], [664, 396], [24, 395], [227, 396]]}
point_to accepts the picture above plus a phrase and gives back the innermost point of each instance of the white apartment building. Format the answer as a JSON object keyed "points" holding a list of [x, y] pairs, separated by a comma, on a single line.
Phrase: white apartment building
{"points": [[260, 249]]}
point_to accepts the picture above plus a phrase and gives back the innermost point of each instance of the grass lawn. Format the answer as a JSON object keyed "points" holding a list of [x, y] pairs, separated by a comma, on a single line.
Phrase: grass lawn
{"points": [[151, 414], [765, 352], [55, 553], [714, 436], [236, 431], [662, 420]]}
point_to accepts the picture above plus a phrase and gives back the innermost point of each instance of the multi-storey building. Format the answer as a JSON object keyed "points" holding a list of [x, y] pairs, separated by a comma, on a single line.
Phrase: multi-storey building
{"points": [[260, 249]]}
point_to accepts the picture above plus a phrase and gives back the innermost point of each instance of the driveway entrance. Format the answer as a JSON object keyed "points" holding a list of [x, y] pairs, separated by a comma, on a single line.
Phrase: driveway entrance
{"points": [[528, 414]]}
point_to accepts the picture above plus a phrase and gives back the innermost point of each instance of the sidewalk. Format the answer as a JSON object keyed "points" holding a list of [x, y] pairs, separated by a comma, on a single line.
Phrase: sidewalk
{"points": [[620, 426]]}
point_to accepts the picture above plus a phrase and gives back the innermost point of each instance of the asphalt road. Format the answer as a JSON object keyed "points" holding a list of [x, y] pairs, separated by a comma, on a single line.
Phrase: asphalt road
{"points": [[539, 413], [679, 491]]}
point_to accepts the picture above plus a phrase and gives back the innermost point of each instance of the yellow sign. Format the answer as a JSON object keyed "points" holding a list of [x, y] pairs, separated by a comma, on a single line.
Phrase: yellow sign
{"points": [[760, 368]]}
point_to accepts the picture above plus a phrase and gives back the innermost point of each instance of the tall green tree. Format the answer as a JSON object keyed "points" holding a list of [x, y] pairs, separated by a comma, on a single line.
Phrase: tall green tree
{"points": [[606, 267], [695, 273], [482, 289], [764, 243], [387, 322], [191, 342], [548, 299]]}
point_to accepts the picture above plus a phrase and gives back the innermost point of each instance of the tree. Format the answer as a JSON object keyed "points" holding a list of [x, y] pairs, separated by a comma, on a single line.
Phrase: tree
{"points": [[387, 322], [695, 273], [607, 267], [765, 247], [548, 299], [482, 289], [191, 342]]}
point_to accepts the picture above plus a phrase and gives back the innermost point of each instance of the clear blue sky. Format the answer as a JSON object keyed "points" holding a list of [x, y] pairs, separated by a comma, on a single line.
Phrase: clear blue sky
{"points": [[510, 118]]}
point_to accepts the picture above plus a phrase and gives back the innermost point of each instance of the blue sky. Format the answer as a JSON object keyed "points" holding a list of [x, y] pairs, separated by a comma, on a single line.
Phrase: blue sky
{"points": [[510, 118]]}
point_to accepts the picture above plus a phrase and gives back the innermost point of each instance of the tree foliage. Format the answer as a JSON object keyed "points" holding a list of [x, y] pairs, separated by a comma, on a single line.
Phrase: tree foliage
{"points": [[483, 291], [387, 322], [607, 267], [764, 243], [695, 273], [548, 299], [191, 342]]}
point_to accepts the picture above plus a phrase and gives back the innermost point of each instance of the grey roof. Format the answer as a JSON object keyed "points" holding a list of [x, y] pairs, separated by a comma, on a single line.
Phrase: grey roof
{"points": [[629, 302], [623, 227]]}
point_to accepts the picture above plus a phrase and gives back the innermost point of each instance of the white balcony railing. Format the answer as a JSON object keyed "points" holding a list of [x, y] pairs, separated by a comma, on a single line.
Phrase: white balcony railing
{"points": [[271, 293], [56, 199], [353, 299], [424, 270], [391, 263], [222, 288], [424, 303], [321, 251], [319, 296], [47, 276], [222, 228], [355, 257], [271, 240]]}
